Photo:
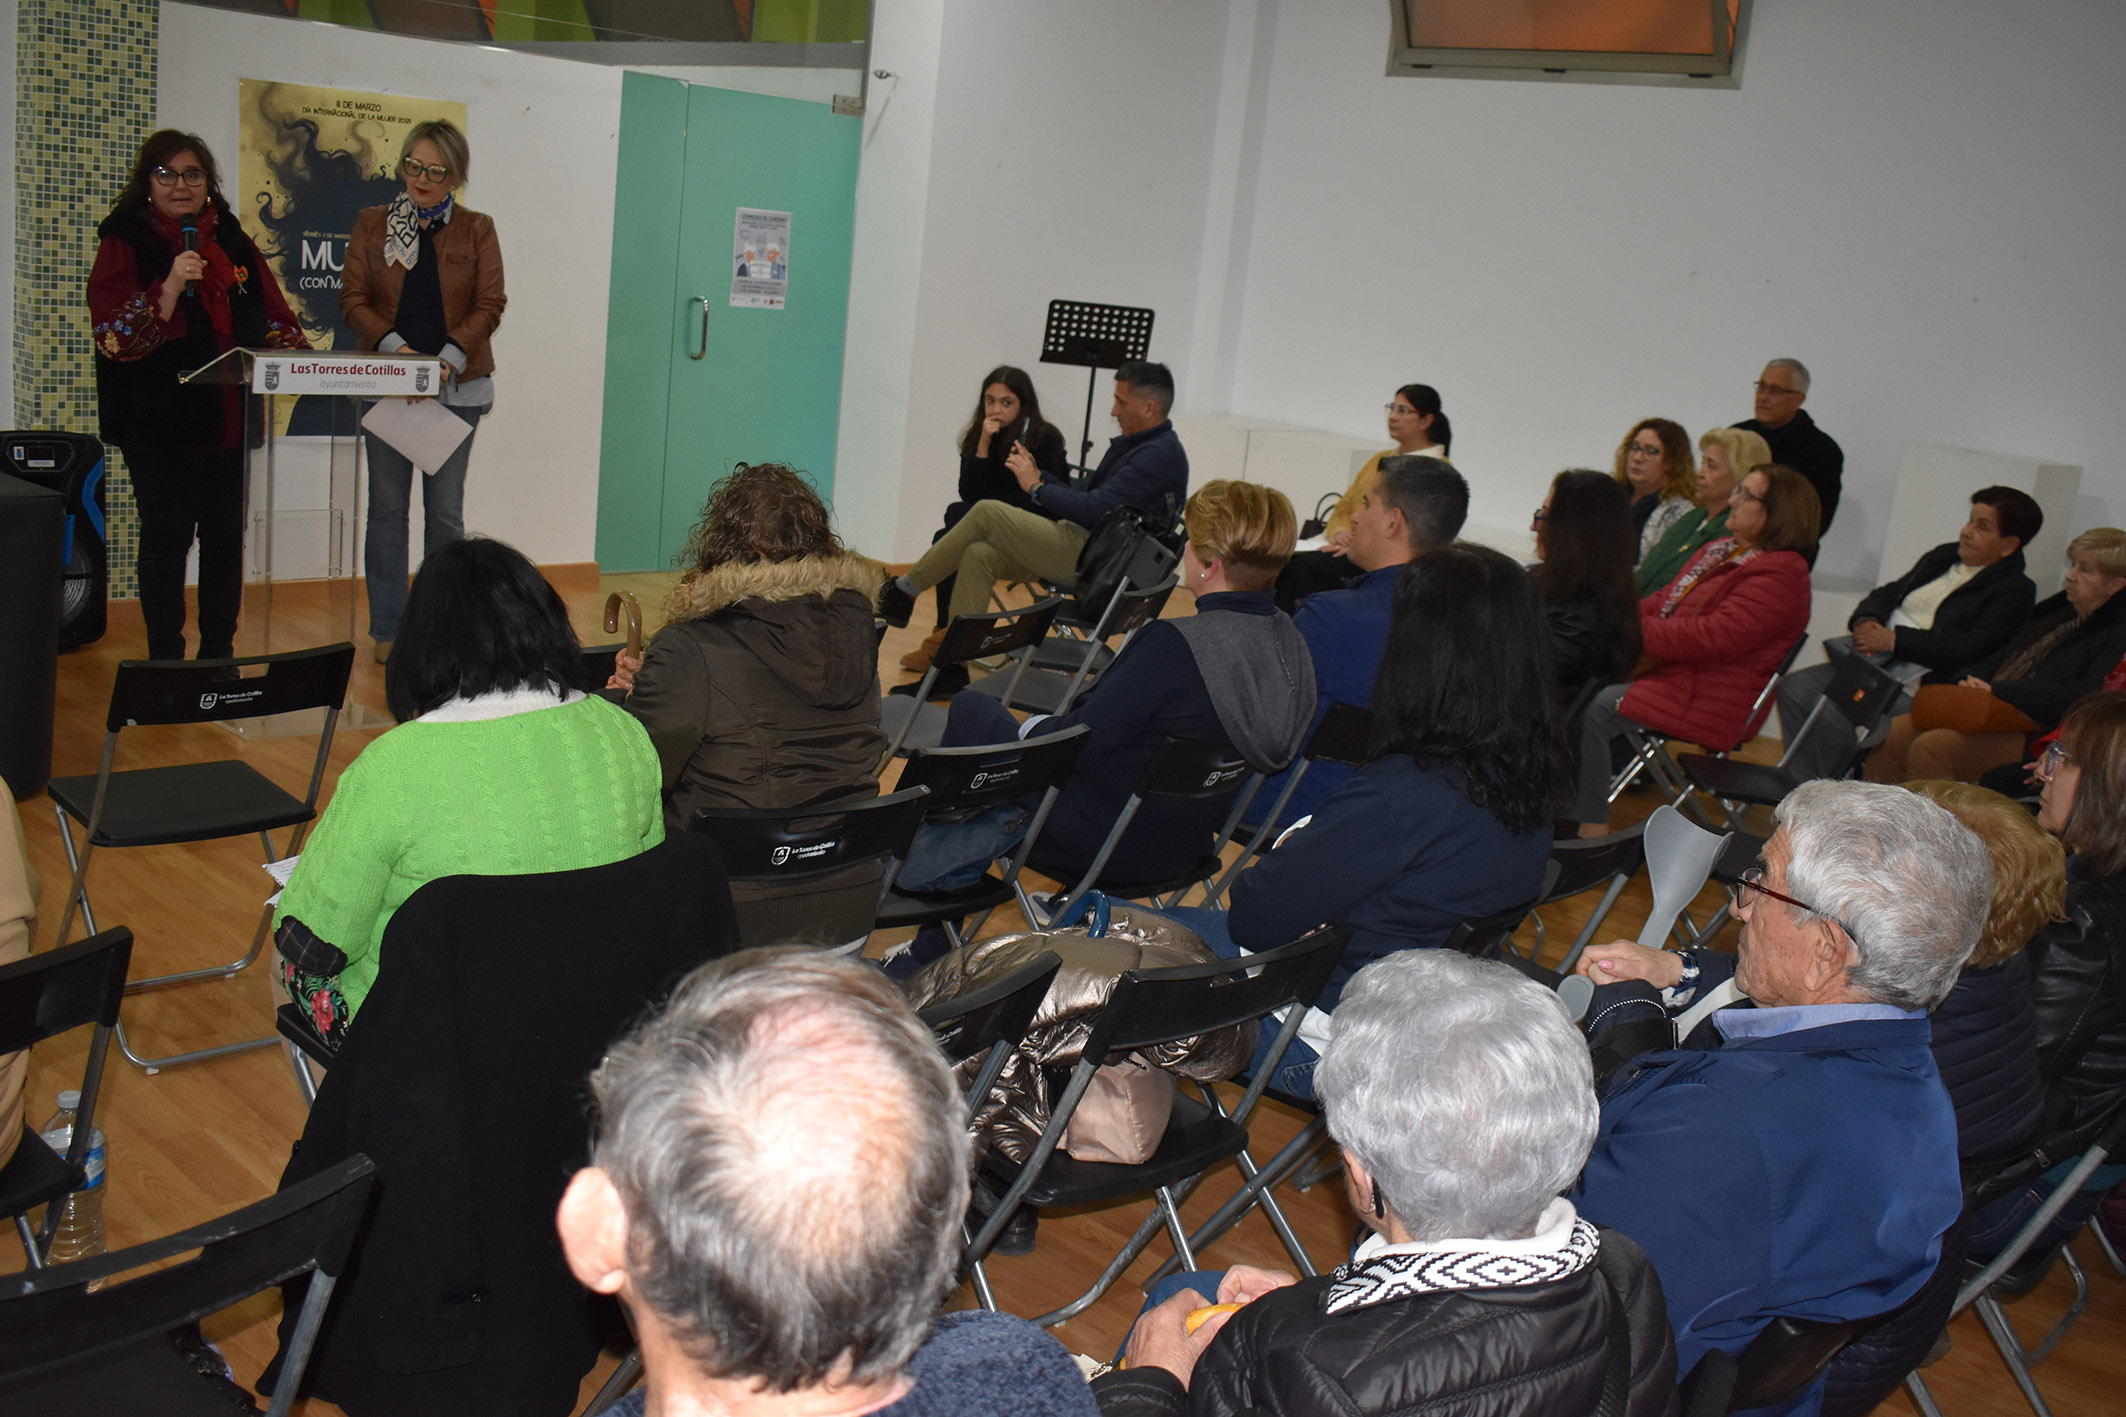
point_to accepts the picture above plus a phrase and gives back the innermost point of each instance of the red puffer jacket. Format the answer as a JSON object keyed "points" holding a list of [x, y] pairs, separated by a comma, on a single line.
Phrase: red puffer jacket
{"points": [[1714, 654]]}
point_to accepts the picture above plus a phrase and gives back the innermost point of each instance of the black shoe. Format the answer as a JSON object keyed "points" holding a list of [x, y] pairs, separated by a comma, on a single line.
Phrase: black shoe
{"points": [[950, 680], [894, 604]]}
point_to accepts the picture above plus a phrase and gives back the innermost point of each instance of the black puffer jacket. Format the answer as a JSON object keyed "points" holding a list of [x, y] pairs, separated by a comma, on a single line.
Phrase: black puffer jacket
{"points": [[1985, 1043], [2078, 989], [1475, 1352]]}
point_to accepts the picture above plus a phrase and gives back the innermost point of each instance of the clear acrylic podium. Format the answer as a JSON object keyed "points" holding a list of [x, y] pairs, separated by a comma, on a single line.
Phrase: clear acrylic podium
{"points": [[305, 485]]}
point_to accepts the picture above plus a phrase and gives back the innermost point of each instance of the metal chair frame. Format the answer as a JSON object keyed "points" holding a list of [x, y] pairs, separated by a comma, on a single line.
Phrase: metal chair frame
{"points": [[1342, 736], [1650, 748], [1044, 687], [1859, 694], [913, 721], [151, 693]]}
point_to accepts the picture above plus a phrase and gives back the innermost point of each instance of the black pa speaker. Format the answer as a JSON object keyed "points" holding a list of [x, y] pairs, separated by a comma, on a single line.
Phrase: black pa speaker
{"points": [[71, 464]]}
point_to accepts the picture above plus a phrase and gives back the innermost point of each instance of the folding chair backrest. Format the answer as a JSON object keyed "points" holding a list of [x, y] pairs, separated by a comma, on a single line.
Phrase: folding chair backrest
{"points": [[1344, 735], [993, 1018], [1679, 858], [1485, 936], [973, 779], [63, 988], [48, 1319], [152, 691], [1860, 691], [997, 632], [1586, 862], [1187, 769], [1786, 1356], [1763, 703], [774, 844], [1132, 610], [595, 665], [1161, 1005], [812, 875]]}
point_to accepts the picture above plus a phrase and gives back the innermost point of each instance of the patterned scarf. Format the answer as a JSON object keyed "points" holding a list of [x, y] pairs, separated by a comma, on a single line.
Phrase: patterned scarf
{"points": [[2030, 656], [402, 228], [1725, 551], [1386, 1278]]}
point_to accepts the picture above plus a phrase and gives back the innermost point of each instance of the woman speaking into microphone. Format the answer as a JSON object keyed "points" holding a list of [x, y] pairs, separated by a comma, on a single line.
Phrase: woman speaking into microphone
{"points": [[177, 283], [423, 276]]}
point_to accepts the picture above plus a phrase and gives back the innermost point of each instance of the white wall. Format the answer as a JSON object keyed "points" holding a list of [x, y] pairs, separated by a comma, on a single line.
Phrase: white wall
{"points": [[1922, 203], [1069, 159], [545, 135]]}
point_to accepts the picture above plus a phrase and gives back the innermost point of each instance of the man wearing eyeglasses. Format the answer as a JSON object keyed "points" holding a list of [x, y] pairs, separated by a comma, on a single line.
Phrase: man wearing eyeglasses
{"points": [[1797, 1156], [1793, 436]]}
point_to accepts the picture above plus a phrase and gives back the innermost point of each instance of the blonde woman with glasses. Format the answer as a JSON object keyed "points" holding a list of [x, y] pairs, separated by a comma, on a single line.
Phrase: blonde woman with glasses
{"points": [[423, 276]]}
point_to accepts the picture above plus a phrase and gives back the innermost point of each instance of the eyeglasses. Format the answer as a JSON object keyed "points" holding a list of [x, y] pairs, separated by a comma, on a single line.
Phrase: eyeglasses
{"points": [[191, 177], [1537, 520], [1763, 388], [1742, 493], [1397, 408], [1645, 450], [2055, 758], [429, 170], [1751, 885]]}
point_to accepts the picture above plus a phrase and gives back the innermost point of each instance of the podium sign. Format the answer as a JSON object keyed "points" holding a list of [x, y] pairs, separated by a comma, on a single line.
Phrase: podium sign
{"points": [[346, 375]]}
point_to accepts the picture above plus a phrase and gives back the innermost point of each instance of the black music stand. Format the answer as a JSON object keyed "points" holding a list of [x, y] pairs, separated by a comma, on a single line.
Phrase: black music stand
{"points": [[1098, 337]]}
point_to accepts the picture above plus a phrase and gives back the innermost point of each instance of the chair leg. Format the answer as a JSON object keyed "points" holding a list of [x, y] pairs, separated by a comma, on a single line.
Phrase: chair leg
{"points": [[29, 1240], [2058, 1331], [624, 1377], [77, 861], [305, 1083], [1176, 1229], [2011, 1351], [1921, 1398], [215, 971], [2103, 1242], [1259, 1190]]}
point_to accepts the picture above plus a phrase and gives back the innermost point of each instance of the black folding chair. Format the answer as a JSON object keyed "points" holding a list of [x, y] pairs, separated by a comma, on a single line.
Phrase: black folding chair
{"points": [[1776, 1367], [1181, 770], [1488, 936], [912, 721], [41, 997], [1146, 1009], [813, 875], [1853, 703], [964, 783], [198, 801], [1062, 667], [65, 1349], [1343, 736], [1650, 749], [988, 1023], [1583, 864]]}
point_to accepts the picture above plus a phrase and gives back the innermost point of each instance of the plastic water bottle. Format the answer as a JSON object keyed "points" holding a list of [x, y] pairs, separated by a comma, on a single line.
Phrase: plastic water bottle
{"points": [[80, 1232]]}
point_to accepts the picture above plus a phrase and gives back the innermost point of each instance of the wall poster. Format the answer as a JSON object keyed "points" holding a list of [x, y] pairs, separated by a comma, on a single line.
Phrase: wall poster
{"points": [[760, 259], [309, 159]]}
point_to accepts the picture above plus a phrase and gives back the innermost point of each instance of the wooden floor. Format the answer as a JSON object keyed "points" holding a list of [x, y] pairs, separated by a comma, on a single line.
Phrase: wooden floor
{"points": [[195, 1142]]}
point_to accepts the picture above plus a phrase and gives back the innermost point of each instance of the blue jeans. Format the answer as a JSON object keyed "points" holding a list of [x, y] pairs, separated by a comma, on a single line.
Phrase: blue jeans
{"points": [[1295, 1075], [2003, 1218], [1204, 1282], [390, 494], [951, 856]]}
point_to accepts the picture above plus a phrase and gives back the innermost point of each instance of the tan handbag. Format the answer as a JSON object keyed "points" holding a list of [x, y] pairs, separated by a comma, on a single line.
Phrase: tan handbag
{"points": [[1122, 1115], [1966, 710]]}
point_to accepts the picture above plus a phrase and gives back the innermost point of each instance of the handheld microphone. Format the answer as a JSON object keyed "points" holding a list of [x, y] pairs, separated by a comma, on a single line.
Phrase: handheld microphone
{"points": [[1025, 422], [189, 229]]}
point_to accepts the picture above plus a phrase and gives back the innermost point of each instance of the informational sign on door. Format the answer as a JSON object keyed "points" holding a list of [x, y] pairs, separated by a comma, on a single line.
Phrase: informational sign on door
{"points": [[760, 259]]}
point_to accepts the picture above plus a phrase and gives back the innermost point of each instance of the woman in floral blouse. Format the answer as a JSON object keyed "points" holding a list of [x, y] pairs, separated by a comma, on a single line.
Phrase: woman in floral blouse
{"points": [[177, 283]]}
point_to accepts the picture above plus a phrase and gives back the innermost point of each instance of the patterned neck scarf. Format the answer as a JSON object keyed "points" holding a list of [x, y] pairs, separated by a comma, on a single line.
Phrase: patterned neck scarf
{"points": [[2030, 656], [1725, 551], [1516, 1264], [402, 228]]}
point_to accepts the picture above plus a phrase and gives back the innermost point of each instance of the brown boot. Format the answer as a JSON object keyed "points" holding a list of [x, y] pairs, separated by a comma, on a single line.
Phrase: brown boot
{"points": [[918, 659]]}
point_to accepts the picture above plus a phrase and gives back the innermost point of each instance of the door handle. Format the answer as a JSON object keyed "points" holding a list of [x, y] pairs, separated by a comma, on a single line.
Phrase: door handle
{"points": [[703, 352]]}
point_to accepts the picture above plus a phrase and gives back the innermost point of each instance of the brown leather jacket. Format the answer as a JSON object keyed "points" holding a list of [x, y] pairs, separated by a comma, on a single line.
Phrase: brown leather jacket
{"points": [[471, 277], [1016, 1111]]}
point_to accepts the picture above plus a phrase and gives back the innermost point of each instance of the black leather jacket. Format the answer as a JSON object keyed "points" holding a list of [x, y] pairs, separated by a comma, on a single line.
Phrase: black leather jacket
{"points": [[1542, 1348], [2078, 988]]}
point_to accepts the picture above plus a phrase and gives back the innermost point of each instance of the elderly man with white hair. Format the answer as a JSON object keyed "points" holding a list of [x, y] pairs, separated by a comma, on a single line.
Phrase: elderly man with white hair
{"points": [[1806, 1166], [1464, 1102], [776, 1191]]}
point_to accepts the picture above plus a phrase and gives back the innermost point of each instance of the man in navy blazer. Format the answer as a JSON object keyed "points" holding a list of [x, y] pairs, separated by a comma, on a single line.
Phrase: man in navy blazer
{"points": [[1806, 1165]]}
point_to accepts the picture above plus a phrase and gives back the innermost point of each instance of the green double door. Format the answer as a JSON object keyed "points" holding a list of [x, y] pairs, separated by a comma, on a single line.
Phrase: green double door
{"points": [[693, 384]]}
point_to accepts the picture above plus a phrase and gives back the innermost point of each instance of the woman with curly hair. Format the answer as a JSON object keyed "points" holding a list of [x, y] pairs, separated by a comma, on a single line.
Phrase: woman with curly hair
{"points": [[762, 690], [1654, 464]]}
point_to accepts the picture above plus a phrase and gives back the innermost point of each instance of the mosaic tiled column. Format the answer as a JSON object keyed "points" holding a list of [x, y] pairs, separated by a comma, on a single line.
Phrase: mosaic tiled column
{"points": [[84, 98]]}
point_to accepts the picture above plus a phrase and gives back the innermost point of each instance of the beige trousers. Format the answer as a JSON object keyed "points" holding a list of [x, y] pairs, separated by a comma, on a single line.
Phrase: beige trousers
{"points": [[1909, 755], [998, 542]]}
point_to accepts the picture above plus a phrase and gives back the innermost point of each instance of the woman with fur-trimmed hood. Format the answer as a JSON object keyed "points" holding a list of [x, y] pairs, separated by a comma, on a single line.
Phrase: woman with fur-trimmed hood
{"points": [[762, 688]]}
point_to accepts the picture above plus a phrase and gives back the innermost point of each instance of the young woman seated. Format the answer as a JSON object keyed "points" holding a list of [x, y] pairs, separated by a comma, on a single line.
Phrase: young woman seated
{"points": [[496, 768], [761, 690], [1451, 819], [1236, 674]]}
